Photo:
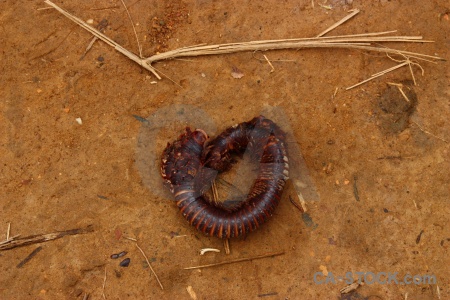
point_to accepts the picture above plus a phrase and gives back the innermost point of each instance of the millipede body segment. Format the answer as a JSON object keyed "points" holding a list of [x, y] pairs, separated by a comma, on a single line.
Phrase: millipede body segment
{"points": [[186, 162]]}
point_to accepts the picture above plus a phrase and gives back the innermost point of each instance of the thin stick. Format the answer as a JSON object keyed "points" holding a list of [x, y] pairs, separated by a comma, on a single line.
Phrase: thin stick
{"points": [[399, 86], [89, 47], [270, 64], [215, 192], [191, 292], [296, 205], [390, 69], [355, 41], [29, 257], [412, 73], [429, 132], [150, 266], [104, 285], [8, 231], [236, 261], [105, 39], [354, 12], [40, 238], [226, 245], [134, 29], [377, 75], [403, 94]]}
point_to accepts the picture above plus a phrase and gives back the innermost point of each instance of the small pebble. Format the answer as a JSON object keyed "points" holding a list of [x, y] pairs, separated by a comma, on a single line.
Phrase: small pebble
{"points": [[79, 121], [90, 21], [125, 263]]}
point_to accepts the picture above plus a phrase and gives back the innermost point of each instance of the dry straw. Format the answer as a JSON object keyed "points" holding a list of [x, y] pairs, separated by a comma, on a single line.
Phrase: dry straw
{"points": [[366, 42]]}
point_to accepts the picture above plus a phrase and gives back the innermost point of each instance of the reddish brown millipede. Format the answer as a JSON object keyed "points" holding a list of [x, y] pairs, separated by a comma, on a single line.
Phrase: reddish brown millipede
{"points": [[184, 162]]}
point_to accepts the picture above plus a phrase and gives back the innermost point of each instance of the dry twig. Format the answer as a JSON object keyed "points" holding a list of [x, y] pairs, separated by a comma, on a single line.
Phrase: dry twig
{"points": [[40, 238], [29, 257], [191, 292], [150, 266], [134, 29], [400, 88], [433, 135], [236, 261], [226, 245], [363, 41], [8, 231], [353, 13], [105, 39], [104, 285], [270, 64]]}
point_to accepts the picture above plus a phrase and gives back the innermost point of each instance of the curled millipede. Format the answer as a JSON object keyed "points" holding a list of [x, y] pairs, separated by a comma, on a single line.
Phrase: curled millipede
{"points": [[186, 162]]}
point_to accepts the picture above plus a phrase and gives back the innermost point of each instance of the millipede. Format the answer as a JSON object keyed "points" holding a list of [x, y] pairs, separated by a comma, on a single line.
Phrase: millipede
{"points": [[184, 166]]}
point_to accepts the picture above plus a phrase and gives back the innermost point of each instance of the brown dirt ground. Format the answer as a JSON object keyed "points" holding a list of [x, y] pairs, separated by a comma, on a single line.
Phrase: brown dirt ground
{"points": [[57, 175]]}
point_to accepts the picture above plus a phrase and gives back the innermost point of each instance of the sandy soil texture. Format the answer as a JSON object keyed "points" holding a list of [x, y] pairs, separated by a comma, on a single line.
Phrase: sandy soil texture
{"points": [[82, 133]]}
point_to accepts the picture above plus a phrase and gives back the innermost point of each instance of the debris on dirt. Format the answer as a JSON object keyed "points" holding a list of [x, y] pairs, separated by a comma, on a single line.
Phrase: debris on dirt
{"points": [[419, 237], [191, 292], [173, 234], [117, 255], [79, 121], [355, 188], [125, 263], [205, 250], [268, 294], [101, 26], [443, 241], [270, 64], [236, 73], [396, 110], [140, 119], [102, 197], [226, 246], [163, 27], [40, 238], [349, 288], [236, 260], [29, 257], [353, 295], [117, 233], [148, 263], [308, 221], [328, 168]]}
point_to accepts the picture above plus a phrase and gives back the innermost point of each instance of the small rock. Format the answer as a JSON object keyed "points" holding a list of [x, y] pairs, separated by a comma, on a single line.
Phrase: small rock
{"points": [[125, 263]]}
